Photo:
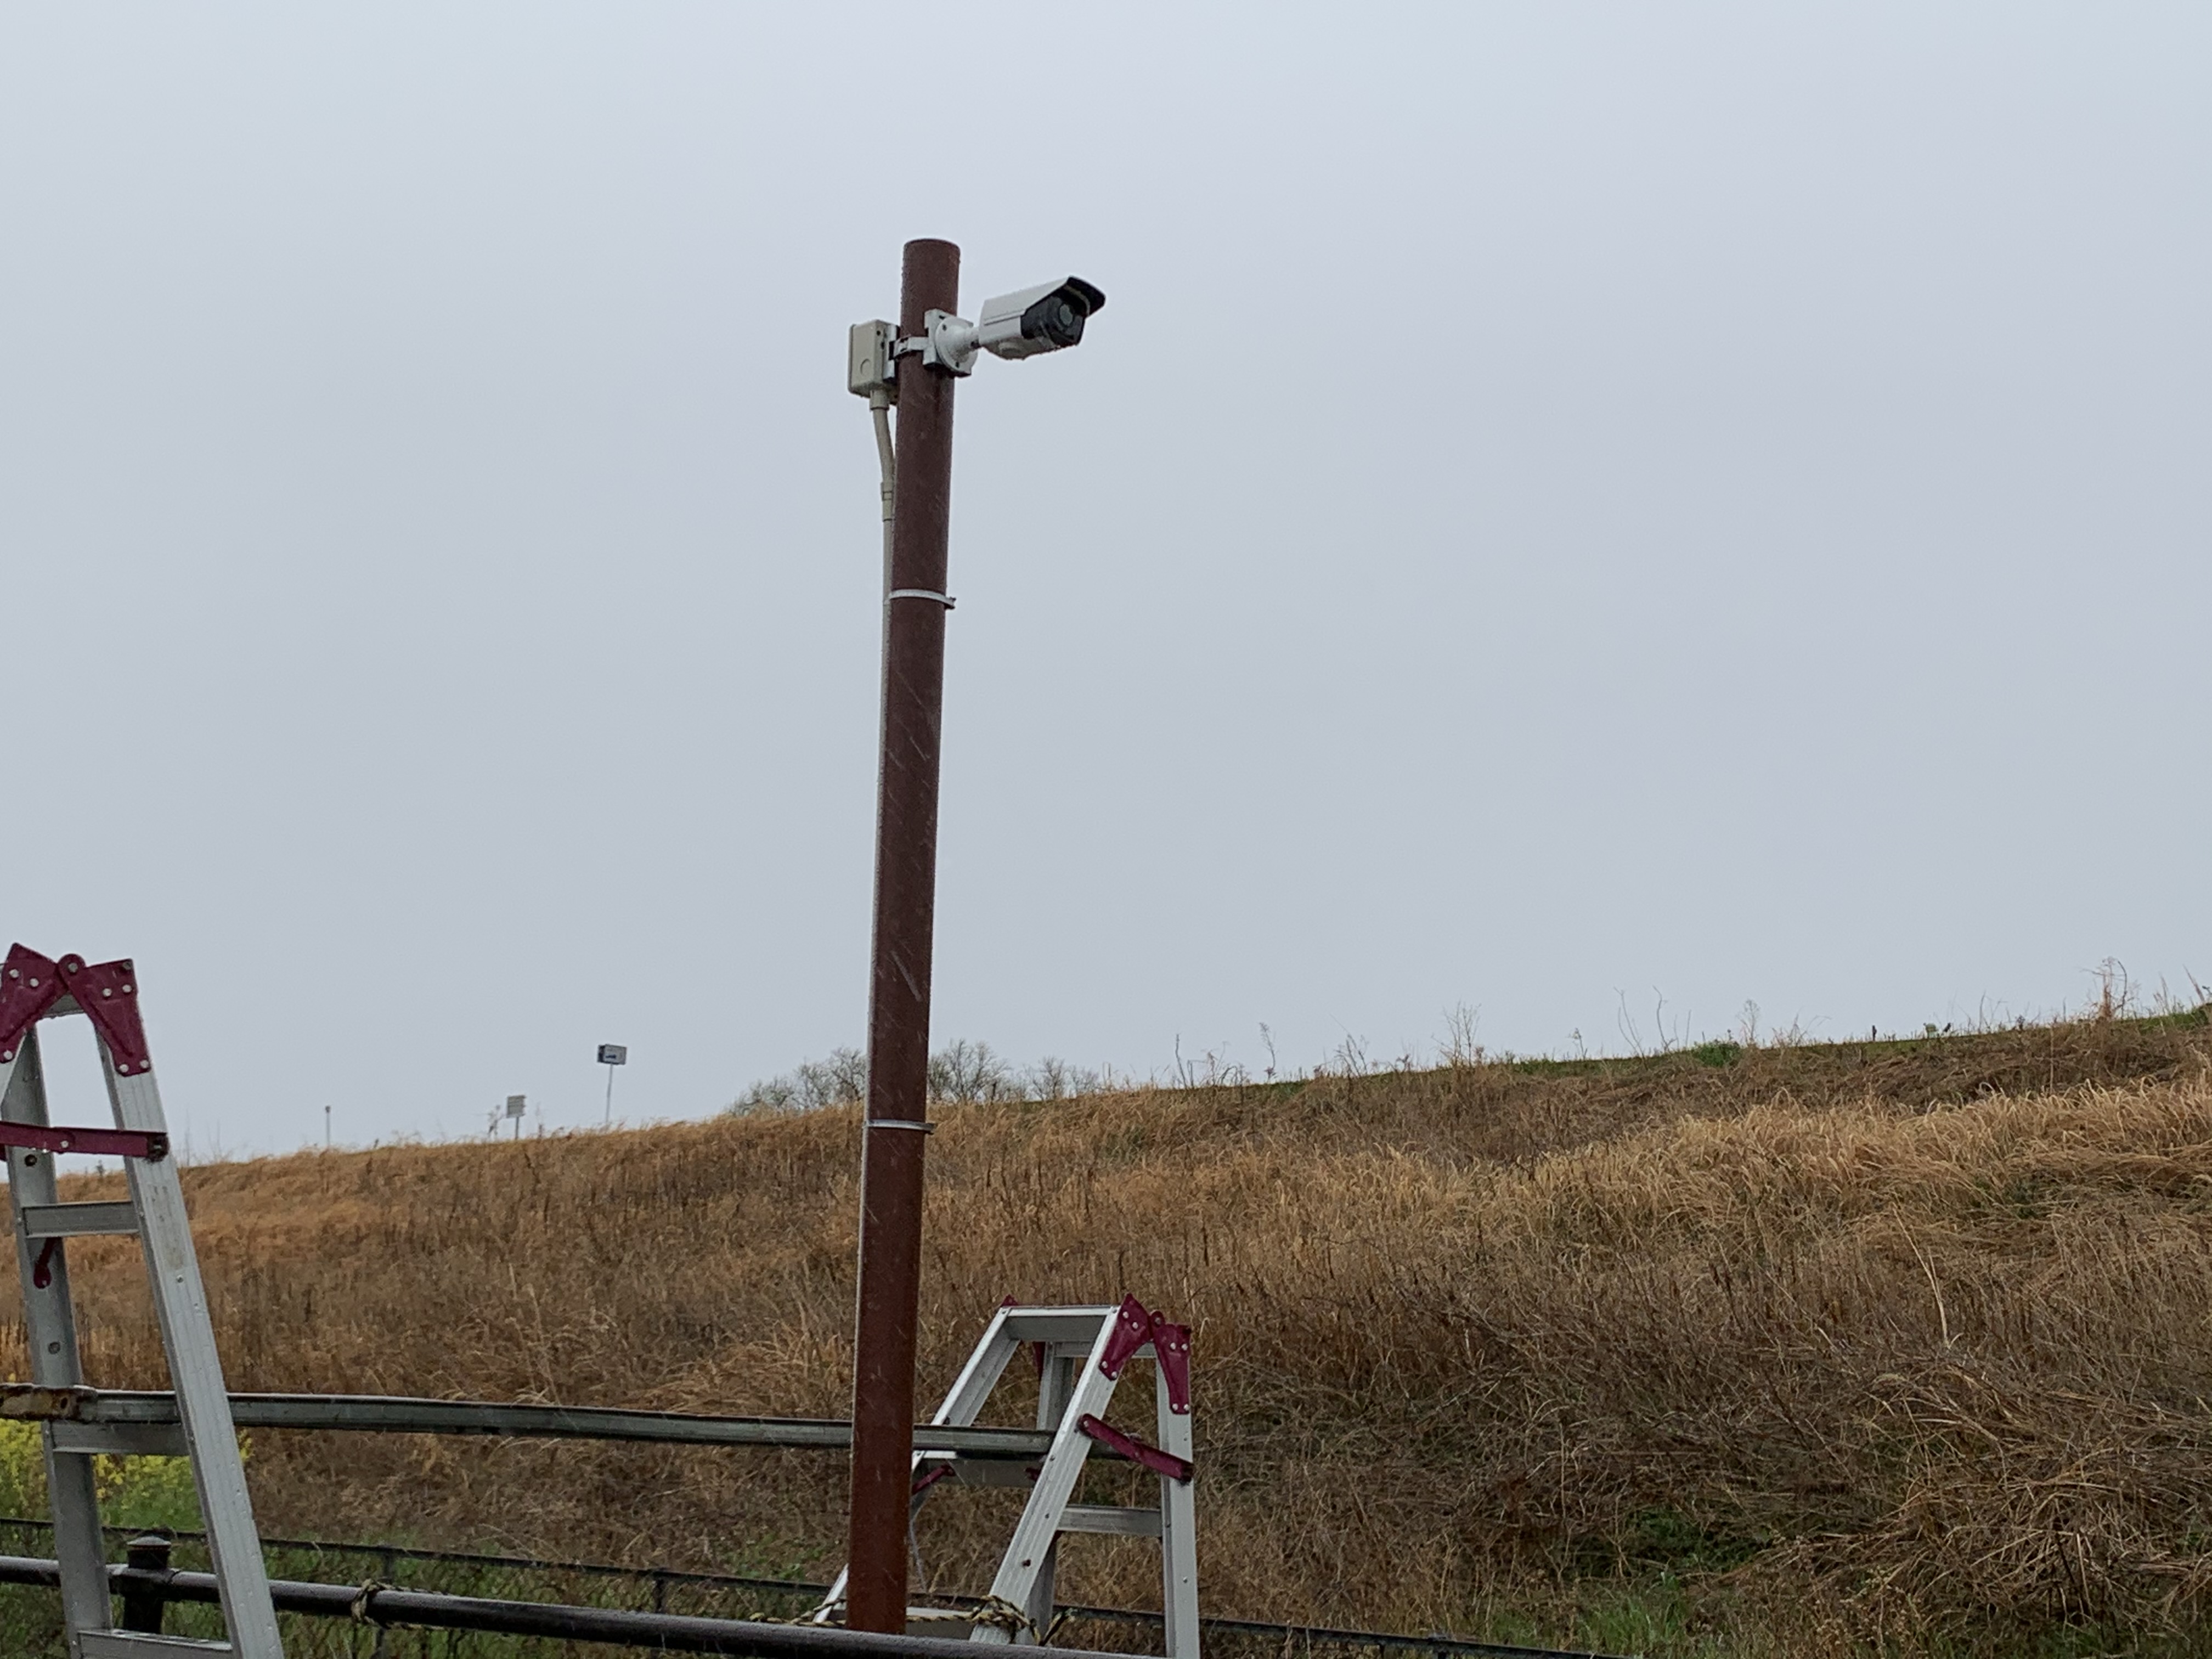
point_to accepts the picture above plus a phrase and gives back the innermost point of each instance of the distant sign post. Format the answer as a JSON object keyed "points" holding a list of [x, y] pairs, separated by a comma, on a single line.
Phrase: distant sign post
{"points": [[612, 1054], [515, 1108]]}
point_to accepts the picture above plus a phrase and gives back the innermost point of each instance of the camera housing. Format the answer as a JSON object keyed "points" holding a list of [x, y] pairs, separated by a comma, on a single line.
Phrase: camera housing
{"points": [[1049, 317]]}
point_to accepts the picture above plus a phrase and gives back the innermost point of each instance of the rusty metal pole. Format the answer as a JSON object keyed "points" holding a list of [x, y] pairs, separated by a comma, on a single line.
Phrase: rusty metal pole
{"points": [[898, 982]]}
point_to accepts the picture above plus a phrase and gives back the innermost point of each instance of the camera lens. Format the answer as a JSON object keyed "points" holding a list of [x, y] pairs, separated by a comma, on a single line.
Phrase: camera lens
{"points": [[1053, 317]]}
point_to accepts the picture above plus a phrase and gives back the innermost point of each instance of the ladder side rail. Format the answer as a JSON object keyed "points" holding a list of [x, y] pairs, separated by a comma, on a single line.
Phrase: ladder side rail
{"points": [[1055, 1387], [50, 1324], [963, 1402], [181, 1306], [1178, 1527], [1035, 1533]]}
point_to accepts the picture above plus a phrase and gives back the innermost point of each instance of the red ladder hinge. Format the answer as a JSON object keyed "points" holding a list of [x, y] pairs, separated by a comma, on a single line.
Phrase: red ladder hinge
{"points": [[149, 1143], [1159, 1462], [1171, 1347], [1133, 1328], [31, 984], [108, 992]]}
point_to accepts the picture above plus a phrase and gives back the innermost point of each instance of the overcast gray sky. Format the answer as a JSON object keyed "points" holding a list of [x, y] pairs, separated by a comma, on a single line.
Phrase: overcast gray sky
{"points": [[1567, 505]]}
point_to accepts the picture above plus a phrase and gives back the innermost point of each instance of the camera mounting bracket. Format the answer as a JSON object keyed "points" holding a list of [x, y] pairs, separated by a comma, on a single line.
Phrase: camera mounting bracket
{"points": [[948, 342]]}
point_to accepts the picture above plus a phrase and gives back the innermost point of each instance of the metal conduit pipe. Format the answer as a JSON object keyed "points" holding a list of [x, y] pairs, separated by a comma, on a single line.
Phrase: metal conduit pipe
{"points": [[1438, 1644], [668, 1632], [143, 1587]]}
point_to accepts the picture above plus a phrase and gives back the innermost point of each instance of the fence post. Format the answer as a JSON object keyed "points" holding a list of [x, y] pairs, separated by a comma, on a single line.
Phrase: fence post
{"points": [[143, 1604]]}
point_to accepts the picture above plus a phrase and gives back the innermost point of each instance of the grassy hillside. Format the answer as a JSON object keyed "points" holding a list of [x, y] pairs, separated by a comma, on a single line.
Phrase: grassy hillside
{"points": [[1711, 1351]]}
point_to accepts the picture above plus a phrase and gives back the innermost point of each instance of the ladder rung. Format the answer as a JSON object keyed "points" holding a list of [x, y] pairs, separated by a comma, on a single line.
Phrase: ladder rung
{"points": [[1108, 1518], [120, 1439], [78, 1220], [130, 1644]]}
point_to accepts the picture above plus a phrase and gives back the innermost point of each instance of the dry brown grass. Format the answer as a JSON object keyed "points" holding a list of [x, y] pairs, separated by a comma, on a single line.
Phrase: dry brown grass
{"points": [[1903, 1339]]}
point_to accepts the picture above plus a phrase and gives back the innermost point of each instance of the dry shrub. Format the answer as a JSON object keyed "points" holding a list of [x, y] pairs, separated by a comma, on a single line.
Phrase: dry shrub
{"points": [[1902, 1340]]}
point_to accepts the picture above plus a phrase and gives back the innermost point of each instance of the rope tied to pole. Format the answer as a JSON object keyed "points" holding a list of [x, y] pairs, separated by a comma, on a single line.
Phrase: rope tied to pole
{"points": [[999, 1614], [994, 1611], [360, 1612]]}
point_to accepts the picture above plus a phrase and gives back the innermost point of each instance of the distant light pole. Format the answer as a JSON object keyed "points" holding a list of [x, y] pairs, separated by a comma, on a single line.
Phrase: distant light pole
{"points": [[612, 1054], [913, 364]]}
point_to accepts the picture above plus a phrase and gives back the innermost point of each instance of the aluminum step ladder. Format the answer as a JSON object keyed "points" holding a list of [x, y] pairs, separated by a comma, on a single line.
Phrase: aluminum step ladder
{"points": [[1081, 1355], [34, 989]]}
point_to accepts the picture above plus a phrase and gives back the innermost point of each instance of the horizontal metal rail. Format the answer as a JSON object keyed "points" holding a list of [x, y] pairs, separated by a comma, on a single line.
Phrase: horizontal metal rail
{"points": [[399, 1414], [680, 1633], [669, 1633]]}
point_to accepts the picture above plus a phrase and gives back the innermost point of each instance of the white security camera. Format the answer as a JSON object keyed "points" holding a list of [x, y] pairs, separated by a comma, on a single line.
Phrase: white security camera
{"points": [[1047, 318]]}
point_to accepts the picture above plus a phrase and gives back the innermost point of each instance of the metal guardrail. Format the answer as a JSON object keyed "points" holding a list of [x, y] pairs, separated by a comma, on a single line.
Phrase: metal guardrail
{"points": [[401, 1414], [668, 1632], [1283, 1637]]}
